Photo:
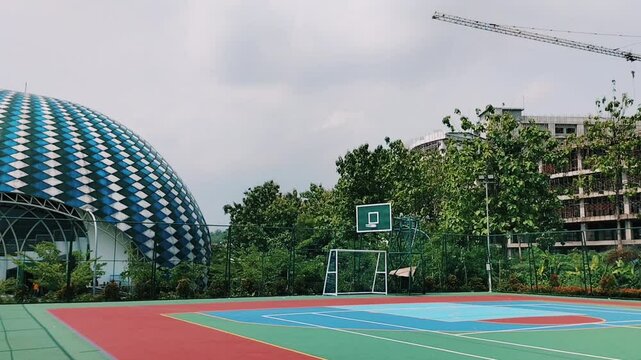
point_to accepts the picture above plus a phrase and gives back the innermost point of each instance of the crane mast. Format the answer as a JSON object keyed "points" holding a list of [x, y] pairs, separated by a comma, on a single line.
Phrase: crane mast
{"points": [[629, 56]]}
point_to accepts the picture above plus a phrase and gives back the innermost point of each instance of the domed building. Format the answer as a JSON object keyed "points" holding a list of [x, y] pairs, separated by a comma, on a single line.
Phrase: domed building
{"points": [[71, 175]]}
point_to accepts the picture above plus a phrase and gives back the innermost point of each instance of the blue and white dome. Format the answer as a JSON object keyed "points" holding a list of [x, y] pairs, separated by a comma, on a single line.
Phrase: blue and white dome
{"points": [[62, 152]]}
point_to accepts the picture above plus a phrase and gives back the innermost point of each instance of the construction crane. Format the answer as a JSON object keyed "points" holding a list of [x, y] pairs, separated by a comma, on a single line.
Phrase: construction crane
{"points": [[629, 56]]}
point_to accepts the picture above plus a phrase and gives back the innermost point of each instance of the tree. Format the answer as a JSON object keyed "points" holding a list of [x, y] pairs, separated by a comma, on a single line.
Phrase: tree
{"points": [[498, 144], [613, 145], [265, 216], [49, 267], [388, 173]]}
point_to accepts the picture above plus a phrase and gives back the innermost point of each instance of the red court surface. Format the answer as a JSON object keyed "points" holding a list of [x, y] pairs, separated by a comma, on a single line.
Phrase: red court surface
{"points": [[143, 332]]}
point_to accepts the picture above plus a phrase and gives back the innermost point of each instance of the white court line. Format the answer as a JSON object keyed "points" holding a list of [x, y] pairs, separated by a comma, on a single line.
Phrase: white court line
{"points": [[483, 339], [624, 326], [595, 308], [387, 309], [384, 338], [596, 324], [343, 310], [542, 327]]}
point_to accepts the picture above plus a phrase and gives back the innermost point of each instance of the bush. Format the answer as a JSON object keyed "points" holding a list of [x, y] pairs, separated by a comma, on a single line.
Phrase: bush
{"points": [[112, 291], [568, 290], [184, 289], [88, 297], [67, 293], [23, 294], [554, 280], [625, 254], [217, 287], [608, 284], [477, 284], [629, 293], [451, 283], [8, 286], [143, 290], [515, 284], [430, 284], [167, 296]]}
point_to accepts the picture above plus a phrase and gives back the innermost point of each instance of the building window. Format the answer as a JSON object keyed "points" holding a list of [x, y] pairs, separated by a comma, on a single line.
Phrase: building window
{"points": [[598, 183], [633, 182], [571, 209], [635, 204], [563, 130], [568, 185], [601, 206]]}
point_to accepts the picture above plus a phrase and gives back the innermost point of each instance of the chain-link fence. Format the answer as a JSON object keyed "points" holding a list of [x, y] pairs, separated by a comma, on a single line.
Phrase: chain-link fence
{"points": [[56, 260]]}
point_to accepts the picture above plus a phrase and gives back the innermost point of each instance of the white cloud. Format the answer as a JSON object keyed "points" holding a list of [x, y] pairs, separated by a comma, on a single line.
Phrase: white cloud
{"points": [[342, 118]]}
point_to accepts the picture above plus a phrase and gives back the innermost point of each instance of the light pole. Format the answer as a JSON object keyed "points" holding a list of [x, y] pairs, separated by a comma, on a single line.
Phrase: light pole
{"points": [[95, 248], [487, 179]]}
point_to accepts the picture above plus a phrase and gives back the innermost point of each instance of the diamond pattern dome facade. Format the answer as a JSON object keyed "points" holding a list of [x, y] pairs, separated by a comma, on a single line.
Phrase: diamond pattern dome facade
{"points": [[57, 150]]}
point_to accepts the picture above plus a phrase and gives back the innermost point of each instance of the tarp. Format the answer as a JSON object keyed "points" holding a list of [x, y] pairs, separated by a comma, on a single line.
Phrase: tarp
{"points": [[403, 272]]}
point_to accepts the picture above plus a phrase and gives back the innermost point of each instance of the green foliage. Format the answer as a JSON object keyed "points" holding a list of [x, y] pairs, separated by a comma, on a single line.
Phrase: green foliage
{"points": [[520, 199], [607, 283], [185, 289], [112, 291], [612, 145], [275, 235], [217, 285], [8, 286], [139, 273], [388, 173], [49, 269], [194, 273]]}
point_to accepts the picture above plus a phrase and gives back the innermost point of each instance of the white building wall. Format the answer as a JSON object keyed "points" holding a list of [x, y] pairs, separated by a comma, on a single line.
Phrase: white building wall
{"points": [[112, 247]]}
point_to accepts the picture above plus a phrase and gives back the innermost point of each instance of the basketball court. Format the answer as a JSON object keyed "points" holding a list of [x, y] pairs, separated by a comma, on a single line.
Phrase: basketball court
{"points": [[371, 327]]}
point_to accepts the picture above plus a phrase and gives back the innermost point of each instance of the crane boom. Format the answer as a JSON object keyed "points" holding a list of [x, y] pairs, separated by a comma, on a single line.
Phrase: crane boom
{"points": [[535, 36]]}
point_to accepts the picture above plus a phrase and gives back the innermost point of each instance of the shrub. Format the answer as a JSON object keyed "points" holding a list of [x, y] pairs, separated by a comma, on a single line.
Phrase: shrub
{"points": [[477, 284], [607, 284], [629, 293], [554, 280], [8, 286], [569, 290], [67, 293], [217, 286], [625, 254], [143, 290], [167, 296], [112, 291], [22, 294], [184, 289], [88, 297], [451, 282], [515, 284], [430, 284]]}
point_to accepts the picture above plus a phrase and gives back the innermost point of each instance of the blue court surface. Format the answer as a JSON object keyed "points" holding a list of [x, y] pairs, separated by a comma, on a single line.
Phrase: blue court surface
{"points": [[444, 317]]}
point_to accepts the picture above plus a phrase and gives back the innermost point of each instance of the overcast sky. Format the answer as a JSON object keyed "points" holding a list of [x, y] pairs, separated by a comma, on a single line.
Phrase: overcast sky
{"points": [[235, 93]]}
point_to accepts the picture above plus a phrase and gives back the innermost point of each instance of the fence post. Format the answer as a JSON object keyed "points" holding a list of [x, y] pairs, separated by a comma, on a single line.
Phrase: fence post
{"points": [[153, 269], [292, 258], [587, 273], [228, 264], [530, 261], [70, 262], [113, 268], [443, 261]]}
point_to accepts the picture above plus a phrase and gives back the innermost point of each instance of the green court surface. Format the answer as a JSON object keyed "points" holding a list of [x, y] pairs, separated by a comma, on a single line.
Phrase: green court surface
{"points": [[444, 326], [326, 343], [29, 332]]}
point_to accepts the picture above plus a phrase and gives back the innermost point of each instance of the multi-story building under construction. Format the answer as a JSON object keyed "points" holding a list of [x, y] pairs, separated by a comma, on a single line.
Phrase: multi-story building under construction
{"points": [[588, 207]]}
